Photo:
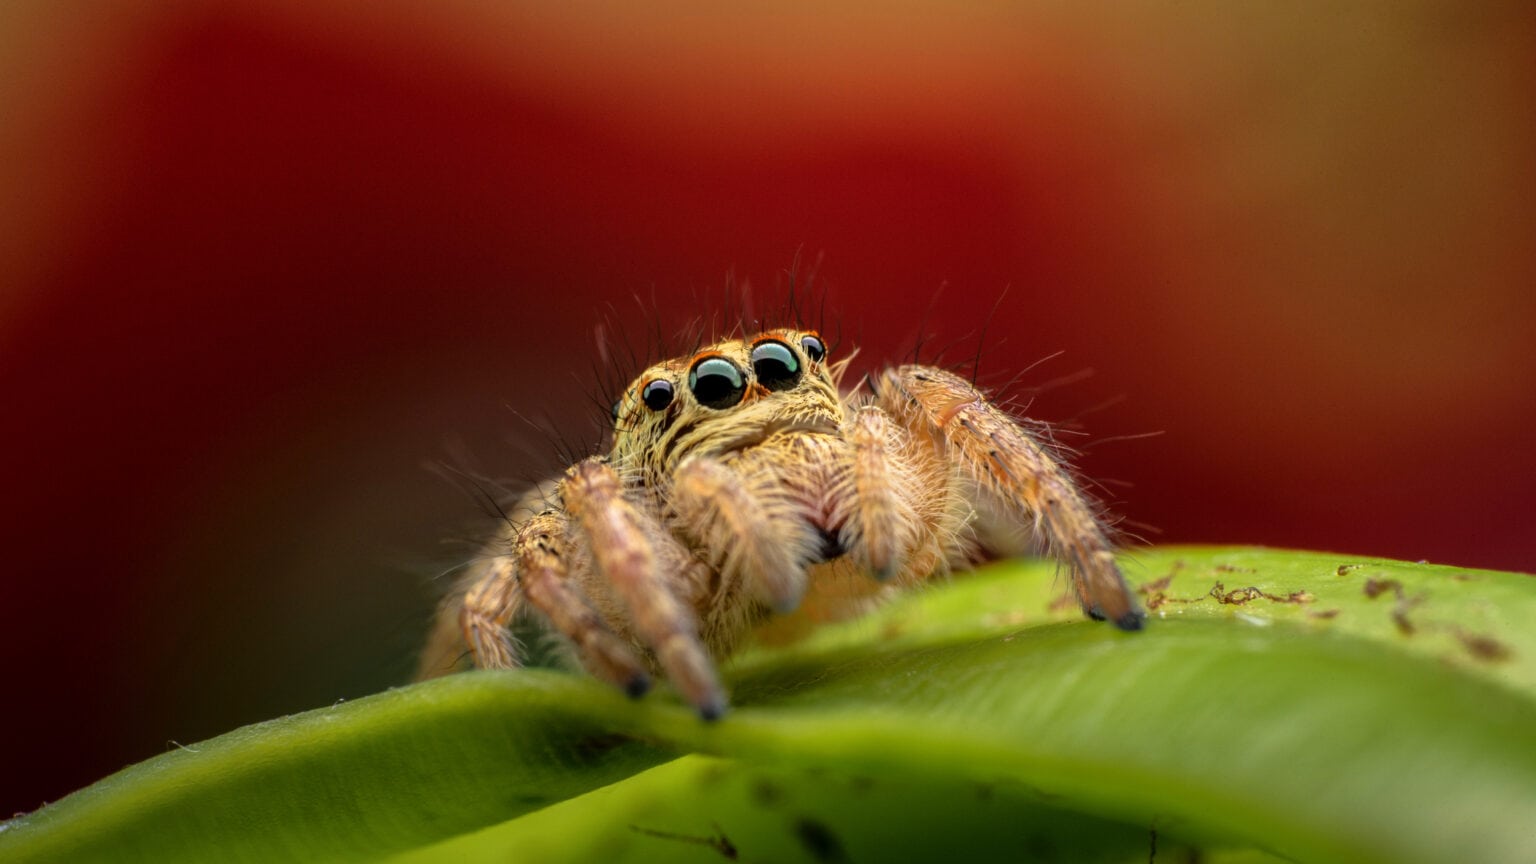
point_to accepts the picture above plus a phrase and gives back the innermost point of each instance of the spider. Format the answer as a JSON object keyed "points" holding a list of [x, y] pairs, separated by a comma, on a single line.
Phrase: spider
{"points": [[743, 482]]}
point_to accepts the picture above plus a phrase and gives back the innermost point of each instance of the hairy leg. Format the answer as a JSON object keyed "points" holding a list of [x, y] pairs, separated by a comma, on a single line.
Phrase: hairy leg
{"points": [[879, 500], [486, 616], [755, 531], [634, 554], [543, 553], [1017, 470]]}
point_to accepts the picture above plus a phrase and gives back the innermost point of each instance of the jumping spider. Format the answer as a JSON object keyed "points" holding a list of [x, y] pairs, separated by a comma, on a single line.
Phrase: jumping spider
{"points": [[741, 482]]}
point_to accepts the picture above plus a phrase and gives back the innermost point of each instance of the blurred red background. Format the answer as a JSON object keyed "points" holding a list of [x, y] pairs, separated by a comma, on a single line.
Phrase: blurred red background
{"points": [[264, 264]]}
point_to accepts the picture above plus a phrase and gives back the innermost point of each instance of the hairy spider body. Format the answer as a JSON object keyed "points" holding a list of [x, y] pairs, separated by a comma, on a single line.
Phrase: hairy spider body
{"points": [[742, 482]]}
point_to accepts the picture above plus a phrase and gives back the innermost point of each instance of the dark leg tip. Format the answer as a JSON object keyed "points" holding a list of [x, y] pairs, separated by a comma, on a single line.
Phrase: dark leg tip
{"points": [[637, 686], [1095, 613], [712, 711], [1130, 621]]}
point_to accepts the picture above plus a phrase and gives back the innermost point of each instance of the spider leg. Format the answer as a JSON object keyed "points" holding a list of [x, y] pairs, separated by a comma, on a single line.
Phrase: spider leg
{"points": [[1010, 464], [744, 515], [542, 555], [445, 651], [877, 499], [639, 558], [490, 604], [487, 612]]}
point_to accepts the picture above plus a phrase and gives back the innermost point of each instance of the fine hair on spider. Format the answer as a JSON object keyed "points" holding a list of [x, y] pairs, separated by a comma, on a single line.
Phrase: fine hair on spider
{"points": [[741, 481]]}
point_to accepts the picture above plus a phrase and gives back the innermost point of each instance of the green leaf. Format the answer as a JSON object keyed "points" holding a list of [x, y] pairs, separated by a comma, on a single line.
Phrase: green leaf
{"points": [[699, 808], [1316, 707]]}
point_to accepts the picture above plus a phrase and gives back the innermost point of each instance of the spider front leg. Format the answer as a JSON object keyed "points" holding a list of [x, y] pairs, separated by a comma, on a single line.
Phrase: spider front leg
{"points": [[753, 528], [490, 604], [543, 550], [1015, 469], [879, 501], [537, 572], [642, 562]]}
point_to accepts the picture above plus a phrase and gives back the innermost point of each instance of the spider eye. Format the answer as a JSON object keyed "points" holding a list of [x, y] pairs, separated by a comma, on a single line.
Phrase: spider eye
{"points": [[657, 394], [776, 367], [716, 383], [614, 412], [814, 348]]}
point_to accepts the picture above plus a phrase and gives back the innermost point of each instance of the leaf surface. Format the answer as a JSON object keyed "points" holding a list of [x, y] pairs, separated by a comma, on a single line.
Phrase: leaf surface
{"points": [[1317, 707]]}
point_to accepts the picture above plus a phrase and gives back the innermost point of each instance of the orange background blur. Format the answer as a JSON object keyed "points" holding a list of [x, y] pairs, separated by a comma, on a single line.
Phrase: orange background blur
{"points": [[260, 263]]}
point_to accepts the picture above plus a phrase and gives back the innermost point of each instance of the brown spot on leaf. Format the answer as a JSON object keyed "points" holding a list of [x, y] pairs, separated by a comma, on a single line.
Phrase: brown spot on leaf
{"points": [[1324, 614], [1484, 648], [1345, 569], [1376, 587], [1231, 568], [1235, 597], [719, 842], [1155, 594], [818, 839], [1239, 596], [1404, 604], [1152, 592]]}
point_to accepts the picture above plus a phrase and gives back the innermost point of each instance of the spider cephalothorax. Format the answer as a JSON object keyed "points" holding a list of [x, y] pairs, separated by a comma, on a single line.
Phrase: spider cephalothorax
{"points": [[743, 482], [725, 398]]}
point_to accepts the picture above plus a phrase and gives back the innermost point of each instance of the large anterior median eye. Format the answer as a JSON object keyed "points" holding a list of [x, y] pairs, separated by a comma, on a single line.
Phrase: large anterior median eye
{"points": [[775, 365], [716, 383], [657, 394]]}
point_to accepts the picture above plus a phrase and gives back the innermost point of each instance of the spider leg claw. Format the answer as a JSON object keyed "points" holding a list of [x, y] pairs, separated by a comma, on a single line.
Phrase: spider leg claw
{"points": [[712, 710], [637, 686], [1130, 621]]}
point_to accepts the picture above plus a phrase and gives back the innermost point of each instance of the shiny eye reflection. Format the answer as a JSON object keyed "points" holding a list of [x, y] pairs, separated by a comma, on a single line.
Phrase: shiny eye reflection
{"points": [[775, 365], [814, 348], [657, 394], [716, 383]]}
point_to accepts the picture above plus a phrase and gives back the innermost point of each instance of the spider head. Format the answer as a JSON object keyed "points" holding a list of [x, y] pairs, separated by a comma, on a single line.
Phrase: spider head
{"points": [[727, 396]]}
